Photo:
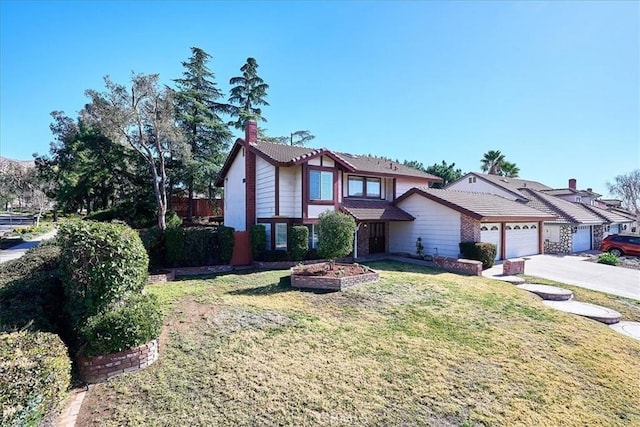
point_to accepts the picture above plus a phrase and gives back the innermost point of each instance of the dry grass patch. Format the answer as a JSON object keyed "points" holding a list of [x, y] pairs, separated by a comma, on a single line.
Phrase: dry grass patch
{"points": [[420, 347]]}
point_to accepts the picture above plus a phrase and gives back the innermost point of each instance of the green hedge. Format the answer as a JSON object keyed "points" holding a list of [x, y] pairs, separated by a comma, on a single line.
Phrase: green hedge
{"points": [[137, 321], [100, 264], [479, 251], [35, 373], [226, 242], [335, 234], [31, 294], [153, 241], [258, 235], [298, 242]]}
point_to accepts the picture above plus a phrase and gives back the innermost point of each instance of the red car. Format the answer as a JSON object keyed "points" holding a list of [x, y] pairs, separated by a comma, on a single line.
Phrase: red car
{"points": [[620, 244]]}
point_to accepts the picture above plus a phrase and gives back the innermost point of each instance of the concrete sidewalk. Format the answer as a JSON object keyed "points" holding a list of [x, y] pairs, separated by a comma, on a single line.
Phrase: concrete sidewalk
{"points": [[18, 250], [575, 270]]}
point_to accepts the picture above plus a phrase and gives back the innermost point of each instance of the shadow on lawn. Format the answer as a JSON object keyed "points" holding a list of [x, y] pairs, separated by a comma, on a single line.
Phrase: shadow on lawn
{"points": [[283, 286]]}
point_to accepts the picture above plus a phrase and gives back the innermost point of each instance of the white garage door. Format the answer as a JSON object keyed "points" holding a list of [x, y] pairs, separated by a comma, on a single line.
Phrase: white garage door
{"points": [[490, 233], [521, 239], [582, 239]]}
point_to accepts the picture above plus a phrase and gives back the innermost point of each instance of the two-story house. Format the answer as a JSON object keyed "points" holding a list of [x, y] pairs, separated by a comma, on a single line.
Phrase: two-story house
{"points": [[279, 185]]}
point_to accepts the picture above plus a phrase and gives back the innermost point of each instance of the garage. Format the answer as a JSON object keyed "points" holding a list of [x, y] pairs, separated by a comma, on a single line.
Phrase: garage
{"points": [[581, 239], [490, 233], [521, 239]]}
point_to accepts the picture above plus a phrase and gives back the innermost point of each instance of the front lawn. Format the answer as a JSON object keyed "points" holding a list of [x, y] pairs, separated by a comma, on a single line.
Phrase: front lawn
{"points": [[421, 347]]}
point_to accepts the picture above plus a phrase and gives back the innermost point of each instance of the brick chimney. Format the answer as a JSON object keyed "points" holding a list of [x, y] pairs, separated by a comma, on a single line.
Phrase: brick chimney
{"points": [[251, 132], [572, 183]]}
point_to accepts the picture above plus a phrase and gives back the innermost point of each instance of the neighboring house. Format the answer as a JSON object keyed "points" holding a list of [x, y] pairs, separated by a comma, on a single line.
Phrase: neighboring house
{"points": [[575, 229], [444, 218], [572, 194], [615, 223], [279, 185]]}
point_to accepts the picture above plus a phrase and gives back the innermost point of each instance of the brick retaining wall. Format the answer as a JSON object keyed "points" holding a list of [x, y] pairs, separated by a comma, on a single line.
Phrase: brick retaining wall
{"points": [[332, 283], [101, 368], [461, 266], [511, 267]]}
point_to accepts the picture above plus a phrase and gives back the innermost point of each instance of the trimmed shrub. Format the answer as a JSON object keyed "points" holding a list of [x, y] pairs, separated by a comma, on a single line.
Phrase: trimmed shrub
{"points": [[100, 264], [335, 234], [608, 258], [35, 373], [258, 241], [153, 241], [31, 294], [199, 246], [298, 242], [276, 256], [105, 215], [479, 251], [172, 220], [226, 242], [136, 321], [174, 244]]}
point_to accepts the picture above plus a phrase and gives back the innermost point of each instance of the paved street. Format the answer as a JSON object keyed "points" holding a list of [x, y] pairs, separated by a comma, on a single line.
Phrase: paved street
{"points": [[19, 250]]}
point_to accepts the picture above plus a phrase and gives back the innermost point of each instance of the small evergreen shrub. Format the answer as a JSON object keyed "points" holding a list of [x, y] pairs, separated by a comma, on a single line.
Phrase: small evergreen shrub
{"points": [[608, 258], [35, 373], [100, 264], [335, 234], [419, 248], [106, 215], [199, 246], [258, 241], [298, 242], [31, 294], [226, 242], [276, 256], [172, 220], [153, 241], [479, 251], [136, 321], [174, 244]]}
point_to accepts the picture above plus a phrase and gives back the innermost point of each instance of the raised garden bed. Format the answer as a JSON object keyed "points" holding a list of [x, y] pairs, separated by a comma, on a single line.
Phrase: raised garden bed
{"points": [[321, 276], [161, 276]]}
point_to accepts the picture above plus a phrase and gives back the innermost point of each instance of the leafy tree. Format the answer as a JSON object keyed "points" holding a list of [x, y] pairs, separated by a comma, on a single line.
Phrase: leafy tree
{"points": [[510, 170], [335, 235], [142, 117], [301, 137], [198, 113], [298, 138], [248, 92], [448, 173], [415, 164], [627, 188], [492, 162]]}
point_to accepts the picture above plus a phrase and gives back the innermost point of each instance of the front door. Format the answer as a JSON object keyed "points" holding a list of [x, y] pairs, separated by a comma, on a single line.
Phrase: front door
{"points": [[376, 237]]}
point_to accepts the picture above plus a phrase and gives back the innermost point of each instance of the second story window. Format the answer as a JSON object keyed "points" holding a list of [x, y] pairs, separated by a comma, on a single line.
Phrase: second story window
{"points": [[320, 185], [359, 186]]}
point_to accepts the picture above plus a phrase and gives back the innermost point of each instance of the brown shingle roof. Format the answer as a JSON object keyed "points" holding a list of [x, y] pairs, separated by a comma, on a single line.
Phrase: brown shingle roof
{"points": [[374, 210], [567, 212], [483, 206], [512, 185], [608, 216], [568, 191]]}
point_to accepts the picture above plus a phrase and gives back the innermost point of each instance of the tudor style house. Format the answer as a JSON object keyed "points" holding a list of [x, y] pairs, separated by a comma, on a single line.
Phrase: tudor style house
{"points": [[279, 185]]}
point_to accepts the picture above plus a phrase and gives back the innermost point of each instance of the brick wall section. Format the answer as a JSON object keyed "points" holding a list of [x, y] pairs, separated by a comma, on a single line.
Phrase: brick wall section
{"points": [[101, 368], [511, 267], [168, 276], [564, 246], [460, 266], [332, 283], [469, 229], [363, 240]]}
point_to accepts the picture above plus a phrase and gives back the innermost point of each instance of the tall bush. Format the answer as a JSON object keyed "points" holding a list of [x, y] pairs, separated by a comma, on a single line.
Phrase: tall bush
{"points": [[35, 373], [101, 264], [153, 241], [298, 242], [335, 235], [258, 235], [479, 251], [174, 244], [226, 242]]}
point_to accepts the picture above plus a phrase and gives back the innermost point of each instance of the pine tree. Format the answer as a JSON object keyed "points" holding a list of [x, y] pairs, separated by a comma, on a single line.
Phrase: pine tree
{"points": [[248, 92], [198, 112]]}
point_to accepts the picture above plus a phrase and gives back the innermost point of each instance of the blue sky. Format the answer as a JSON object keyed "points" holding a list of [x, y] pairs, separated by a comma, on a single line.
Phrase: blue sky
{"points": [[554, 85]]}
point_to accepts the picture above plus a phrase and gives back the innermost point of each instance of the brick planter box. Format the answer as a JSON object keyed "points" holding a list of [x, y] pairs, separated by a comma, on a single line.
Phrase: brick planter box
{"points": [[331, 282], [100, 368]]}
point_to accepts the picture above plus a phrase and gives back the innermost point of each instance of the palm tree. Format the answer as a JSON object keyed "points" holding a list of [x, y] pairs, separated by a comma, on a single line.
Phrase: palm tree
{"points": [[492, 162], [510, 170]]}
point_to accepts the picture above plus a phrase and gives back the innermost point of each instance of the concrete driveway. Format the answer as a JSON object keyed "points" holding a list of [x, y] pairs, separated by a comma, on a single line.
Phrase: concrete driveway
{"points": [[574, 270]]}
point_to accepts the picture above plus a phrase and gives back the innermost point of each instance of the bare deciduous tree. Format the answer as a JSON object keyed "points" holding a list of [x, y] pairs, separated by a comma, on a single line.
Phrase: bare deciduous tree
{"points": [[627, 187], [142, 117]]}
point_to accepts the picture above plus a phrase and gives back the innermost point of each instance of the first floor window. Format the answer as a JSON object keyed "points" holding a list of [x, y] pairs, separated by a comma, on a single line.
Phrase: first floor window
{"points": [[313, 236], [281, 237], [320, 185]]}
